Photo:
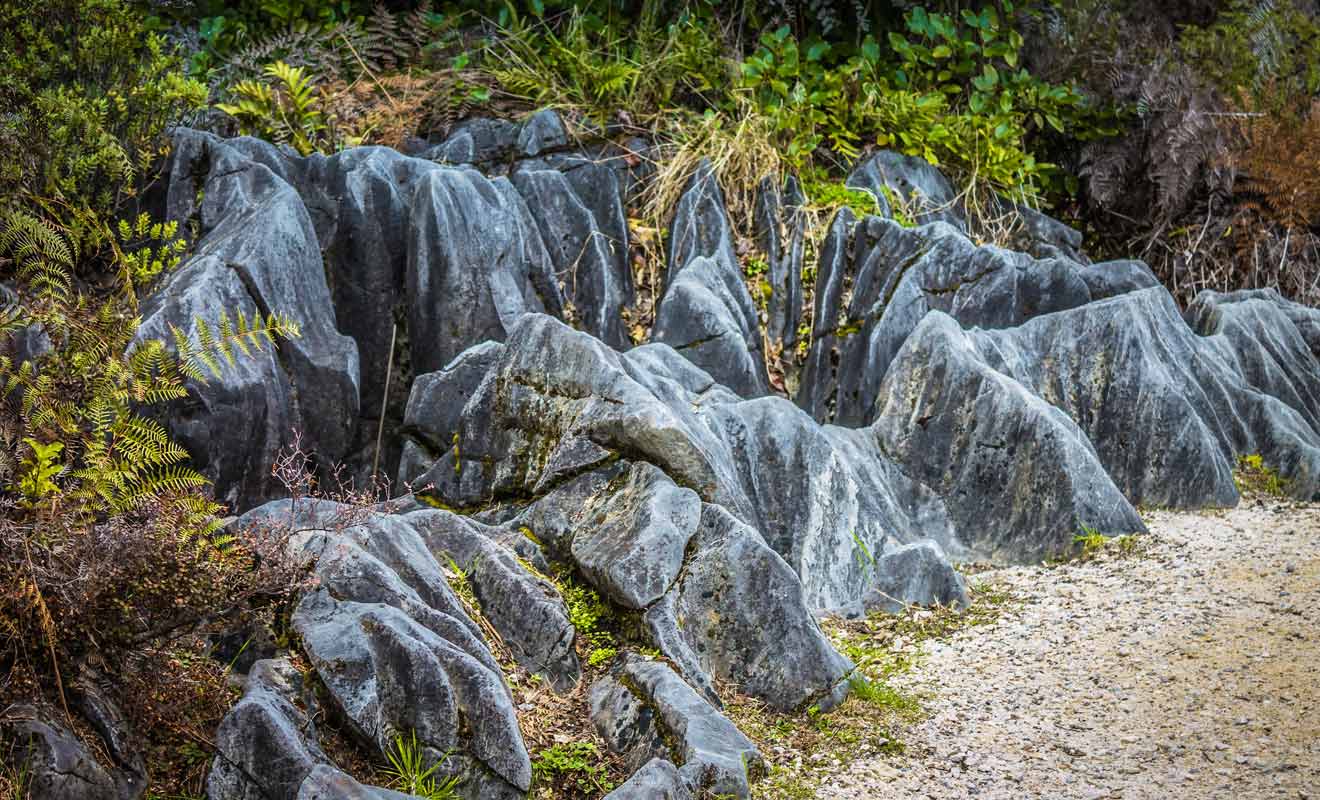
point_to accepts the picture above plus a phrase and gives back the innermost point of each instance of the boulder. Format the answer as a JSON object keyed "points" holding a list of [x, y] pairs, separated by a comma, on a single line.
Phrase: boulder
{"points": [[781, 235], [895, 276], [658, 779], [525, 609], [913, 181], [1020, 479], [706, 312], [713, 623], [266, 745], [632, 547], [258, 253], [57, 765], [591, 265], [914, 574], [645, 712], [1167, 410]]}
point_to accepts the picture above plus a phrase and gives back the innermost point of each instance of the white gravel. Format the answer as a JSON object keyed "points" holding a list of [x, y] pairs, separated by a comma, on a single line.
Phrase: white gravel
{"points": [[1192, 671]]}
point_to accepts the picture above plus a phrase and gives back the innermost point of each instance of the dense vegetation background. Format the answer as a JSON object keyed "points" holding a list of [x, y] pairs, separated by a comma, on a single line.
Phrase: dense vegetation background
{"points": [[1186, 133]]}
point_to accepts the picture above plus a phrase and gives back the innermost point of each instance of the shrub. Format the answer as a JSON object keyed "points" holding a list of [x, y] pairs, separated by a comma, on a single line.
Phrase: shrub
{"points": [[85, 93]]}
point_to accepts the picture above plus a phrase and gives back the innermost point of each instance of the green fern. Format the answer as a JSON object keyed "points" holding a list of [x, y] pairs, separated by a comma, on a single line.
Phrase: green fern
{"points": [[80, 406], [285, 109], [43, 255]]}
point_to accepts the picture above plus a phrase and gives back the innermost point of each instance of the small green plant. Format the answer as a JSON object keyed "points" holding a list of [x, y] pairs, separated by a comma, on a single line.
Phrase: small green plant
{"points": [[572, 764], [586, 610], [601, 655], [410, 771], [147, 248], [38, 471], [286, 108], [1254, 477], [1090, 541], [881, 695]]}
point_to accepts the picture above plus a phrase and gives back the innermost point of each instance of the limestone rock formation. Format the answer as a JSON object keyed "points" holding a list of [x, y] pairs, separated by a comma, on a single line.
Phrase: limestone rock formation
{"points": [[706, 312], [958, 401]]}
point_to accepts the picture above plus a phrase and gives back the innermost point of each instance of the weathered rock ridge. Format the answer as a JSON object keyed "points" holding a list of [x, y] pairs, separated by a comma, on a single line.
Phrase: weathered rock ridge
{"points": [[958, 401]]}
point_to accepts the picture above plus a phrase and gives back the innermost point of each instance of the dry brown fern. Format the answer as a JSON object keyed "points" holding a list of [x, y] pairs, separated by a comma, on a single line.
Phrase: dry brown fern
{"points": [[1279, 164]]}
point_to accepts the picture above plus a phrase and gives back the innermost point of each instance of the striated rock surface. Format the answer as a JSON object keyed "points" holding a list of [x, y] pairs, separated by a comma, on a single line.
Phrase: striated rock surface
{"points": [[706, 312], [957, 402], [895, 276], [645, 712], [1019, 476]]}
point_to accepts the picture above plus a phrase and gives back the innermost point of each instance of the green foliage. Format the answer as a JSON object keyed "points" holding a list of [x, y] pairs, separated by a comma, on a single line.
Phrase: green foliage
{"points": [[572, 764], [85, 93], [586, 611], [881, 695], [38, 471], [1271, 49], [602, 68], [1093, 544], [1253, 476], [411, 771], [85, 394], [285, 109], [224, 26], [950, 90], [813, 98], [147, 248], [831, 194], [1090, 541]]}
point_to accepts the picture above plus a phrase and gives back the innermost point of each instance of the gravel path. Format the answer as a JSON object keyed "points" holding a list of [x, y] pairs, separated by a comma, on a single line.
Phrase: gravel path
{"points": [[1189, 671]]}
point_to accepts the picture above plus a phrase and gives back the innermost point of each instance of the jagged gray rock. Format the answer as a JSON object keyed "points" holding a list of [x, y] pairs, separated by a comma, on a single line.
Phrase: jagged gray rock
{"points": [[328, 783], [899, 274], [266, 745], [658, 779], [706, 312], [644, 711], [565, 405], [476, 263], [1019, 477], [632, 547], [435, 406], [258, 253], [402, 656], [1111, 278], [914, 182], [525, 610], [56, 764], [394, 646], [591, 265], [1268, 339], [781, 234], [1168, 411], [712, 623]]}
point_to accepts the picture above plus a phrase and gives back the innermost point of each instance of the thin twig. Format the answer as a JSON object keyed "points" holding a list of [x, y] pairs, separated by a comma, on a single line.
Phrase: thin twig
{"points": [[366, 69], [384, 401]]}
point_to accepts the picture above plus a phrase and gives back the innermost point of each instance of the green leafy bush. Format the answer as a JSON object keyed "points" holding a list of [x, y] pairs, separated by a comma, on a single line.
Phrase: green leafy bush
{"points": [[285, 109], [85, 93], [603, 68], [950, 90]]}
